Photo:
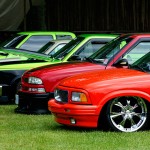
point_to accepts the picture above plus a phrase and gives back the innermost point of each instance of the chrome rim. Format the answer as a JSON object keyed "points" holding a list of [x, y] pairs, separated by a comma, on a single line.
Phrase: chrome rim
{"points": [[128, 114]]}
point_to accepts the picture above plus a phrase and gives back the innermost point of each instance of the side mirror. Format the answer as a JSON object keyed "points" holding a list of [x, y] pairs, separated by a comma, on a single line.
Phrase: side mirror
{"points": [[122, 63]]}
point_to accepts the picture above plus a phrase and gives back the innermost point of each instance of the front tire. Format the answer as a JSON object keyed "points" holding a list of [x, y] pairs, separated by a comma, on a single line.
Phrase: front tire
{"points": [[127, 114]]}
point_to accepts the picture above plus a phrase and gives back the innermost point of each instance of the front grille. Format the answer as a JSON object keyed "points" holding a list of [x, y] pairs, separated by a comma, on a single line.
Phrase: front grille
{"points": [[62, 94]]}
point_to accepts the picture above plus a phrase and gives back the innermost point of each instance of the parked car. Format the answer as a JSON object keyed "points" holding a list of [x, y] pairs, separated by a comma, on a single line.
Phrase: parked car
{"points": [[39, 83], [50, 49], [34, 40], [118, 99], [11, 72]]}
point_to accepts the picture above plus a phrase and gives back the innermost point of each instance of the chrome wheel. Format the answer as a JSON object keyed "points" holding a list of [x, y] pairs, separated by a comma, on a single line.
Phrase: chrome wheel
{"points": [[127, 114]]}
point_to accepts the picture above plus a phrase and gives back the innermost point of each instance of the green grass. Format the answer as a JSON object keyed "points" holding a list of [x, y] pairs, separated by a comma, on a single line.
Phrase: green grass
{"points": [[40, 132]]}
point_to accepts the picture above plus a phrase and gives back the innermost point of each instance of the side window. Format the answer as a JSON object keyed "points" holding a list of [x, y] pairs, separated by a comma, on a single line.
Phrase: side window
{"points": [[57, 48], [115, 50], [90, 48], [34, 43], [137, 52]]}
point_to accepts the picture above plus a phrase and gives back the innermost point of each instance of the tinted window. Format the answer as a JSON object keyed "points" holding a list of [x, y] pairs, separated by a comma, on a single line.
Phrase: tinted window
{"points": [[58, 47], [142, 64], [68, 48], [137, 52], [46, 47], [106, 53], [34, 43], [13, 42], [89, 48]]}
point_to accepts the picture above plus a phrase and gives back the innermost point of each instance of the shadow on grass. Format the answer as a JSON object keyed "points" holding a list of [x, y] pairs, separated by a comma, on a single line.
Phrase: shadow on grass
{"points": [[59, 127]]}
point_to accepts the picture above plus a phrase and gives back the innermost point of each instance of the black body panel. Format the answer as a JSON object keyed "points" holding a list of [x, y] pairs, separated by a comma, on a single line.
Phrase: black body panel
{"points": [[8, 84], [33, 103]]}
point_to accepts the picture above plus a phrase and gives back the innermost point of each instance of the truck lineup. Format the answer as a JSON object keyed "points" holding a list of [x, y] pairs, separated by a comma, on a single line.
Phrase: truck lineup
{"points": [[111, 83]]}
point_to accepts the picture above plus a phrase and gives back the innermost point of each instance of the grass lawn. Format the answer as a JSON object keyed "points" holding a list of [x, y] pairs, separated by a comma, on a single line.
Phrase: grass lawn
{"points": [[40, 132]]}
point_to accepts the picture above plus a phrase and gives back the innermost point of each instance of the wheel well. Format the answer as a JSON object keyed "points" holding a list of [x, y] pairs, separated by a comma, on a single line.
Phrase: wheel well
{"points": [[102, 120], [14, 85]]}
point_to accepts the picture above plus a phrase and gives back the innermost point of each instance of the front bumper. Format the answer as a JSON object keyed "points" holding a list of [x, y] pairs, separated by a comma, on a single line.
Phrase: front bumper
{"points": [[33, 103], [4, 93], [74, 115]]}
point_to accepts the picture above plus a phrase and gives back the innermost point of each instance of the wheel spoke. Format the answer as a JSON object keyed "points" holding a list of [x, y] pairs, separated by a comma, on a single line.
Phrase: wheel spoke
{"points": [[122, 123], [116, 114], [135, 106], [119, 105], [139, 115], [128, 103], [132, 122]]}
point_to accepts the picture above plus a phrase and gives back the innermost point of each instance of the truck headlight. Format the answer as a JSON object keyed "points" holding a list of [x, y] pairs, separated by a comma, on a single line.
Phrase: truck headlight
{"points": [[34, 80], [78, 97], [57, 95]]}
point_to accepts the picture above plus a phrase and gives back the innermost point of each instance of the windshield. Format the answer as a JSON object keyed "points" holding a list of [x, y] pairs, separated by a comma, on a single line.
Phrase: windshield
{"points": [[57, 48], [142, 64], [67, 48], [106, 53], [14, 41], [46, 47], [35, 42]]}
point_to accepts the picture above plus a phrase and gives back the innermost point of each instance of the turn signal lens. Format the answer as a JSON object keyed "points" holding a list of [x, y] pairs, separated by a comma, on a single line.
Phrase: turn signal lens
{"points": [[78, 97]]}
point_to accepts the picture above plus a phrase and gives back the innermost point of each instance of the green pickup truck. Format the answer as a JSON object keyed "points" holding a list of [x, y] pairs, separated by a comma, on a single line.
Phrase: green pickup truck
{"points": [[50, 48], [76, 50], [34, 40]]}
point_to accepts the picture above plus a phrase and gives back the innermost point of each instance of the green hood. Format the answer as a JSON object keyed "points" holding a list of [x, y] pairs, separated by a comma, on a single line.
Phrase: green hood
{"points": [[26, 53], [33, 60]]}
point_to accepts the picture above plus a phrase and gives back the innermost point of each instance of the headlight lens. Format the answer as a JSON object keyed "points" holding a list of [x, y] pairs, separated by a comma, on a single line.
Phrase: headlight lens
{"points": [[61, 95], [57, 95], [34, 80], [78, 97]]}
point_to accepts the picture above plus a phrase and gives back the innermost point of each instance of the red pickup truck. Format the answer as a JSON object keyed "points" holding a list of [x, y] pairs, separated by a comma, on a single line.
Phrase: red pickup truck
{"points": [[38, 84], [112, 99]]}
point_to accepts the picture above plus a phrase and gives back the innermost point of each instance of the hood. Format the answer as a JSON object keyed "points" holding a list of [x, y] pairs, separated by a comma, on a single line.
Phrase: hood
{"points": [[26, 53], [63, 69], [104, 79], [33, 60], [51, 75]]}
